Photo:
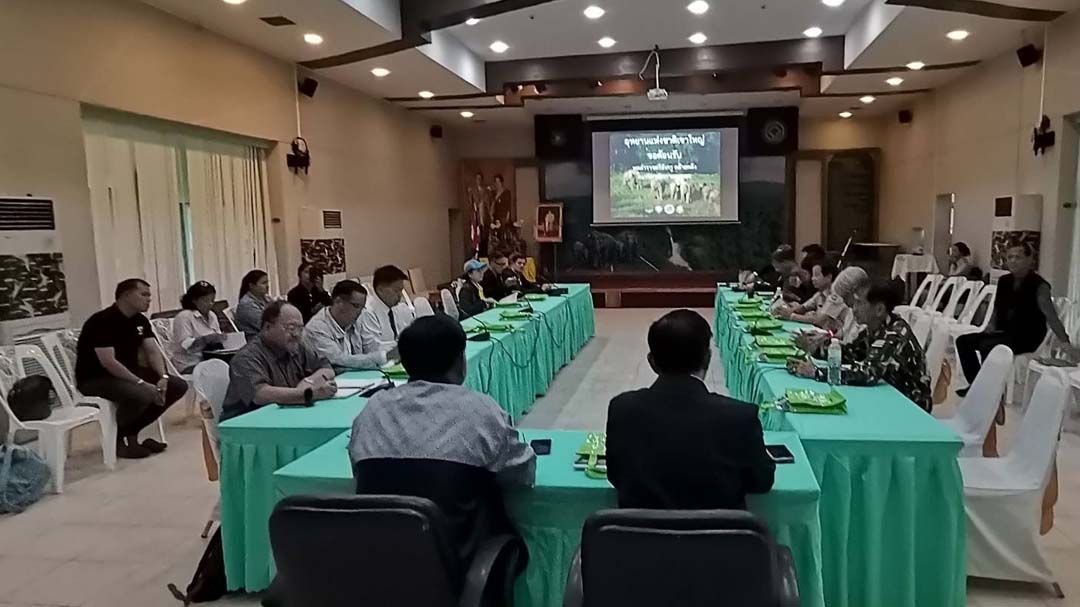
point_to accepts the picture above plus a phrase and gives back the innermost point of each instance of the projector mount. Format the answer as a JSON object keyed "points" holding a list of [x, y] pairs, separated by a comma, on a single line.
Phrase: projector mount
{"points": [[657, 93]]}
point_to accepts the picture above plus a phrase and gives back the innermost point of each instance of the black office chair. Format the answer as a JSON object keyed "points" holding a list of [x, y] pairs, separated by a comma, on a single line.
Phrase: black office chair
{"points": [[689, 558], [382, 551]]}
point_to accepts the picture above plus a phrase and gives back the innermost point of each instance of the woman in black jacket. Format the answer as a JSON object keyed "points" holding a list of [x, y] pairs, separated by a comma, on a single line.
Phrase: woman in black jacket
{"points": [[471, 300]]}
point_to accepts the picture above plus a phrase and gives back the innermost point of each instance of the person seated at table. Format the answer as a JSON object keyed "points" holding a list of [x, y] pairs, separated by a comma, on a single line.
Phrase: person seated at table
{"points": [[1023, 310], [812, 254], [792, 280], [117, 358], [962, 262], [387, 314], [836, 316], [675, 444], [822, 277], [516, 277], [437, 439], [495, 279], [308, 296], [471, 296], [333, 333], [886, 350], [254, 297], [276, 366], [196, 327]]}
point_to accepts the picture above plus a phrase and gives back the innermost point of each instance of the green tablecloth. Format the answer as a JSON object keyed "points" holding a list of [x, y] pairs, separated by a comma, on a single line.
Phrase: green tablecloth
{"points": [[550, 515], [513, 368], [892, 502]]}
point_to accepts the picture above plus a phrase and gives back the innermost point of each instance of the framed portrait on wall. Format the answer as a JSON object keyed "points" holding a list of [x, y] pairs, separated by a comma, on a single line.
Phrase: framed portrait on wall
{"points": [[549, 220]]}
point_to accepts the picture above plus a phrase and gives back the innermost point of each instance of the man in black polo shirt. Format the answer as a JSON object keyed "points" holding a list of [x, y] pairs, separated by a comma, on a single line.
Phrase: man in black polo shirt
{"points": [[119, 360]]}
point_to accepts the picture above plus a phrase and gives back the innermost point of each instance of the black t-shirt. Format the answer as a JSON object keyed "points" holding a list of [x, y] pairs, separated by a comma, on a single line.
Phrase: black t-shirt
{"points": [[109, 328], [305, 300]]}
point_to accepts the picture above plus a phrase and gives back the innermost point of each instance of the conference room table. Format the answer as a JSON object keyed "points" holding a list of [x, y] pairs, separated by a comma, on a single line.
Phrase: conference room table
{"points": [[892, 500], [512, 367], [550, 515]]}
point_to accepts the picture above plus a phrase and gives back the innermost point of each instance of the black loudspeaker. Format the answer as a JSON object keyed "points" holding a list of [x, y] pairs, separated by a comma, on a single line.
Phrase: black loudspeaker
{"points": [[771, 131], [905, 116], [436, 131], [1028, 55], [307, 86], [559, 136]]}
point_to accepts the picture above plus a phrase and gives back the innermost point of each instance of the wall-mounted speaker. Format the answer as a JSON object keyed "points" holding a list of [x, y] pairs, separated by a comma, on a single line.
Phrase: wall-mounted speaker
{"points": [[559, 136], [436, 131], [307, 87], [771, 131], [905, 116], [1028, 55]]}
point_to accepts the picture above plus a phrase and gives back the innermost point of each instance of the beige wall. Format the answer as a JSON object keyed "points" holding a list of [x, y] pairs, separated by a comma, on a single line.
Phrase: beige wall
{"points": [[972, 138], [494, 141], [372, 160], [840, 134]]}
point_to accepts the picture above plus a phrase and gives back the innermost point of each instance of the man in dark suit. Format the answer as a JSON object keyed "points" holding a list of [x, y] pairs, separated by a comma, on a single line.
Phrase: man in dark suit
{"points": [[675, 445], [498, 272]]}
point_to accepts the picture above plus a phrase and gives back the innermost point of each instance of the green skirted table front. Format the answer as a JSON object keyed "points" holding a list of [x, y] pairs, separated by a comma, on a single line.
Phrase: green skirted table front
{"points": [[550, 515], [513, 368], [892, 499]]}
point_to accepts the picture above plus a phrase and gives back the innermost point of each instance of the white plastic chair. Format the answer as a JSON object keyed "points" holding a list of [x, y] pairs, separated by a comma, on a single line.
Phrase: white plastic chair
{"points": [[949, 289], [976, 412], [416, 280], [953, 311], [935, 351], [1003, 496], [921, 324], [449, 305], [1021, 370], [423, 307], [211, 381], [966, 323], [924, 295], [52, 432]]}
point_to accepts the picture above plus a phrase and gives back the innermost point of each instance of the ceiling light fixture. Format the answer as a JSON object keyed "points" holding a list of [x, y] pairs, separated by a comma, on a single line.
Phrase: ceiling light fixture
{"points": [[698, 38], [895, 81], [472, 21], [812, 32], [499, 46], [312, 38], [235, 1], [380, 72], [594, 12], [466, 114], [867, 99], [846, 114], [426, 94], [916, 65], [958, 35], [832, 3], [606, 42], [698, 7]]}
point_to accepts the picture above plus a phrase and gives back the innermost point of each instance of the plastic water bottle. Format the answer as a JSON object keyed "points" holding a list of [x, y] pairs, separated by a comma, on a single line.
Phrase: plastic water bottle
{"points": [[835, 358]]}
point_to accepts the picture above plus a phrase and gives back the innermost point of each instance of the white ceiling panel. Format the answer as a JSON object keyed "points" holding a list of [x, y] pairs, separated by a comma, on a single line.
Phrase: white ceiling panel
{"points": [[873, 83], [411, 71]]}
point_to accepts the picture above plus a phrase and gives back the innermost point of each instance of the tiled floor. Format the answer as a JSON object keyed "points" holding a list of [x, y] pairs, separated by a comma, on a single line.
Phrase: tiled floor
{"points": [[118, 538]]}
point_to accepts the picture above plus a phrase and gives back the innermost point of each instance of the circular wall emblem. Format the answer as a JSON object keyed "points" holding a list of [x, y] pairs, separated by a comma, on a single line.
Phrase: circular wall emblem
{"points": [[773, 132]]}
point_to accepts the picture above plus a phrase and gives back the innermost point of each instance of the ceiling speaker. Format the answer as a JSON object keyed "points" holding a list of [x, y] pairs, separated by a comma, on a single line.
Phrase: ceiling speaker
{"points": [[905, 116], [1028, 55], [436, 131], [559, 136], [307, 87], [771, 131]]}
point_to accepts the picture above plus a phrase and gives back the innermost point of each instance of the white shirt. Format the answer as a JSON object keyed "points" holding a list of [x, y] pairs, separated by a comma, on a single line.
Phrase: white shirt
{"points": [[188, 326], [343, 347], [376, 334]]}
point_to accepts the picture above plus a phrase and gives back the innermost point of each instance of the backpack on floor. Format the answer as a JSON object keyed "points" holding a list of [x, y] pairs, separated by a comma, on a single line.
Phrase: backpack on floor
{"points": [[23, 478], [208, 583]]}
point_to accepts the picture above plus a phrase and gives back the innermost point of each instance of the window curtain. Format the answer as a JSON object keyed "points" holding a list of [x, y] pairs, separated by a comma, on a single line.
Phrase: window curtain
{"points": [[230, 214]]}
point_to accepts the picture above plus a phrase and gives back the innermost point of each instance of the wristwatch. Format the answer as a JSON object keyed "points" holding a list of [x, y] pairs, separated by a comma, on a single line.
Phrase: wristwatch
{"points": [[309, 396]]}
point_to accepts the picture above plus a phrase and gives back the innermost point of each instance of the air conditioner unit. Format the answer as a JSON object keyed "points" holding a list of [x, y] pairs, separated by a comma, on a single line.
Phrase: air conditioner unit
{"points": [[1017, 218], [322, 242], [33, 289]]}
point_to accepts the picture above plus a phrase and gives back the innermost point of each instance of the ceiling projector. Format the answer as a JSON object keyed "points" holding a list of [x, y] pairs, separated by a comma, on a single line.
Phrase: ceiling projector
{"points": [[657, 94]]}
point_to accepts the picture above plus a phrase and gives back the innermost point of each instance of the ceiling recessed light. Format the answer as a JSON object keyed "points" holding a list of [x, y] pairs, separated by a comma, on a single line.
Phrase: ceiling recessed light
{"points": [[958, 35], [832, 3], [846, 114], [499, 46], [472, 21], [380, 72], [698, 7], [594, 12], [916, 65], [235, 1], [312, 38], [698, 38], [895, 81], [466, 114], [606, 42], [426, 94], [867, 99], [812, 32]]}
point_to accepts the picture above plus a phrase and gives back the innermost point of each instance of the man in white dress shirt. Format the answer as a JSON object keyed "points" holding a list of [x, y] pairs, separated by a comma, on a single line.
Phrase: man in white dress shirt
{"points": [[386, 315], [333, 331]]}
